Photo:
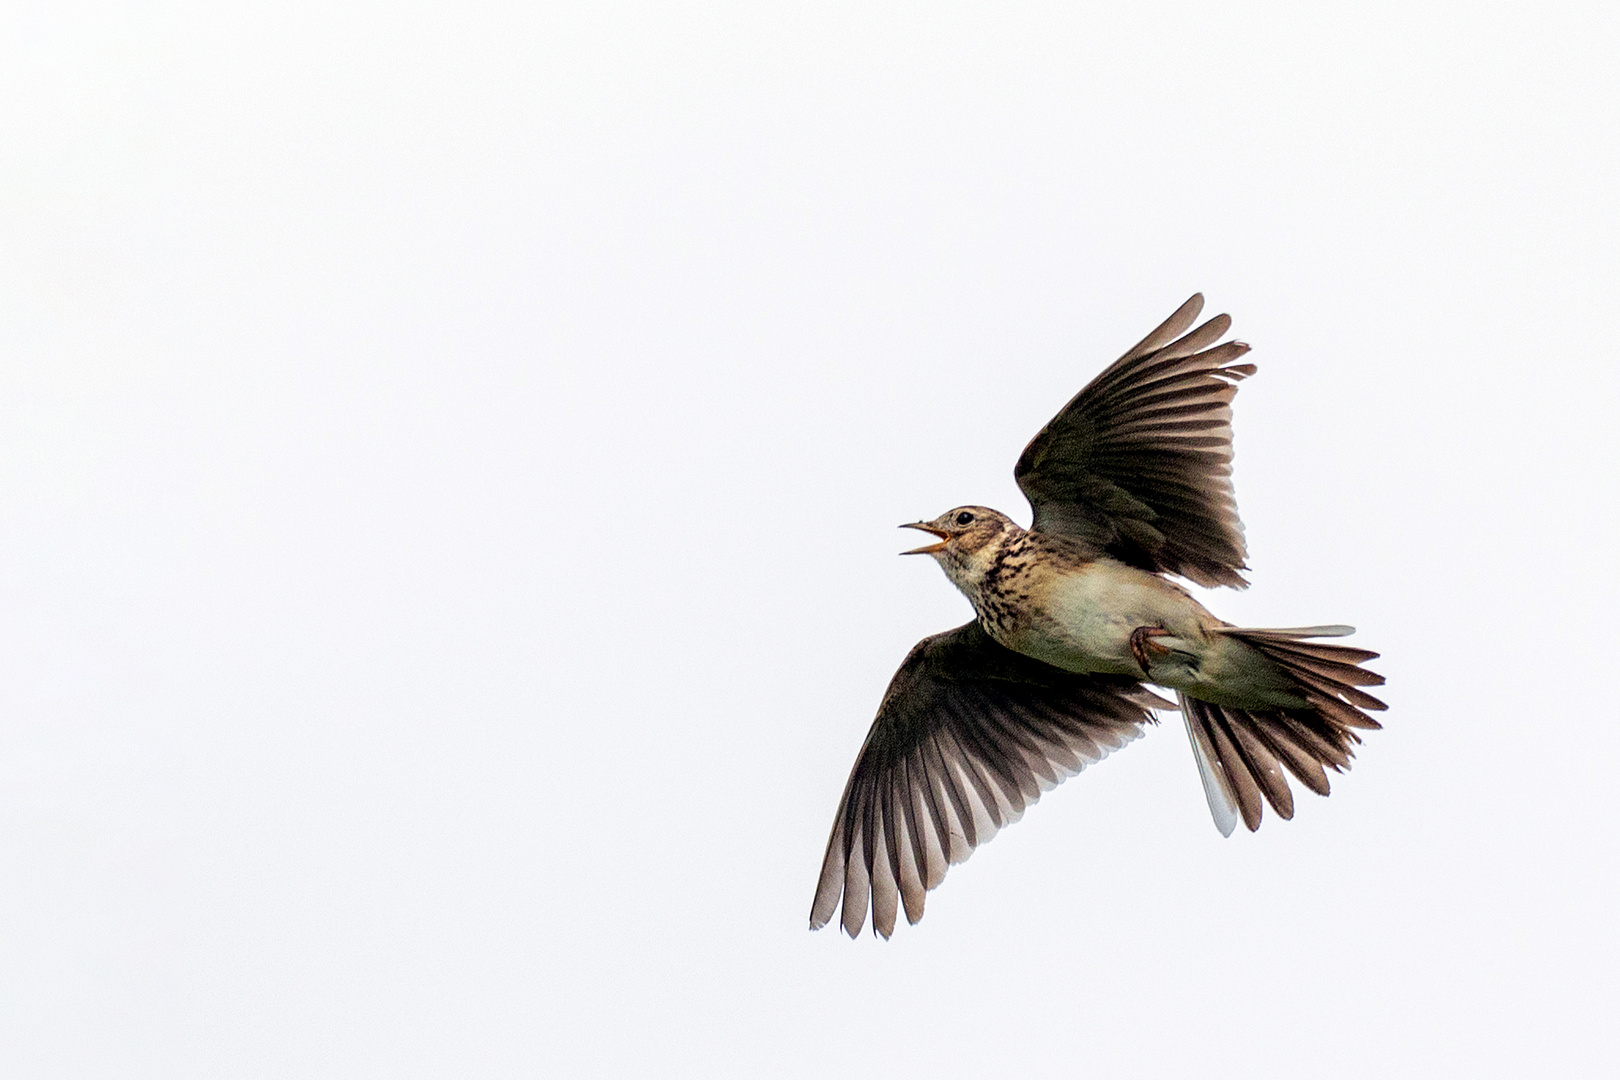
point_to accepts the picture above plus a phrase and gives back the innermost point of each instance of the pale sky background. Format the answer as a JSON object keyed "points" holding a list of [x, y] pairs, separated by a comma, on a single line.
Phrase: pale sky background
{"points": [[450, 459]]}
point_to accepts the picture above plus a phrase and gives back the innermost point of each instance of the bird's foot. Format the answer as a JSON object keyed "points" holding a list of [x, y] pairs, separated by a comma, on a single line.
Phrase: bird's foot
{"points": [[1144, 648]]}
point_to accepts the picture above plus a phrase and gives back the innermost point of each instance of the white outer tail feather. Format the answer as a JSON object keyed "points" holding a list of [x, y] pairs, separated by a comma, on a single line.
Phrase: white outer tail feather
{"points": [[1218, 786], [1222, 805]]}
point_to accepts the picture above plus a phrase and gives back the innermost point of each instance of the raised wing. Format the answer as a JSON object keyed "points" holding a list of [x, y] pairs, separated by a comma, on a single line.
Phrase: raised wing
{"points": [[1139, 464], [968, 735]]}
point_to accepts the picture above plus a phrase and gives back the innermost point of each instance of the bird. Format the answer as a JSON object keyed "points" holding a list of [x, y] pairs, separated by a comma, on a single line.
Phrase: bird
{"points": [[1130, 486]]}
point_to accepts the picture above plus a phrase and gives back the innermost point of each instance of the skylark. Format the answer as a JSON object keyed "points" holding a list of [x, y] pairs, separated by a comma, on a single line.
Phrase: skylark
{"points": [[1130, 482]]}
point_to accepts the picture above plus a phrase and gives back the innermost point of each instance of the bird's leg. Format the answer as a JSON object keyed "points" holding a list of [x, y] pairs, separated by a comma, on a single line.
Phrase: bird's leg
{"points": [[1144, 648]]}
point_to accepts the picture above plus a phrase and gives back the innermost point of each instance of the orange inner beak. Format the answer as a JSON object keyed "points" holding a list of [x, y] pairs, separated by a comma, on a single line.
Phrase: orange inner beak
{"points": [[927, 549]]}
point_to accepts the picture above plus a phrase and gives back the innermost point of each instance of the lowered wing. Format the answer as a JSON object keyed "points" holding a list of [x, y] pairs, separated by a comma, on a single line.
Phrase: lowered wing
{"points": [[969, 734]]}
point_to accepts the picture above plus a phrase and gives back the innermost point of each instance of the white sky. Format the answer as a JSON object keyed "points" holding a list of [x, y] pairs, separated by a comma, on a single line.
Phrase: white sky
{"points": [[450, 459]]}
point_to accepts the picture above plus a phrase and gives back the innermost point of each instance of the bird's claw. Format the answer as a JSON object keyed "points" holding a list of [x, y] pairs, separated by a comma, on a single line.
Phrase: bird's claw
{"points": [[1144, 648]]}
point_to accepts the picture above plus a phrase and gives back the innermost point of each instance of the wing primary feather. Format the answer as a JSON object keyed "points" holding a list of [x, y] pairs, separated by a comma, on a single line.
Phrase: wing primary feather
{"points": [[893, 841], [999, 771], [979, 790], [1021, 743], [870, 832], [1163, 408], [968, 736], [936, 843], [1170, 329], [928, 792], [857, 888], [958, 801], [912, 856], [885, 888], [831, 883], [1076, 734], [1207, 334]]}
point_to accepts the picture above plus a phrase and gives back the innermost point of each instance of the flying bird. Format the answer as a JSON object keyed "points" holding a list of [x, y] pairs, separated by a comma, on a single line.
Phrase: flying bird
{"points": [[1130, 483]]}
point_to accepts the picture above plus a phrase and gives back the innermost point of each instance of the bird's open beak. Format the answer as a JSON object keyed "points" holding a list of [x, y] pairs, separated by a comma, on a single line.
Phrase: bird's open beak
{"points": [[927, 549]]}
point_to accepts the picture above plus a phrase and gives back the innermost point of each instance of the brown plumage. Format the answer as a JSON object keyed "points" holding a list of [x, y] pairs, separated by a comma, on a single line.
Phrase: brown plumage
{"points": [[1130, 482], [1139, 463], [968, 736]]}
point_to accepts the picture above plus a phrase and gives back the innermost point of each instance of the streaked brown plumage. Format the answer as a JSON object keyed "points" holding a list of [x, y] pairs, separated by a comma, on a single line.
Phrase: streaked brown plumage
{"points": [[1131, 481]]}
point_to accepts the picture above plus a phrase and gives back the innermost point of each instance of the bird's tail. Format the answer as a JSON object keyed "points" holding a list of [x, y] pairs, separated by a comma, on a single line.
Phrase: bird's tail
{"points": [[1242, 752]]}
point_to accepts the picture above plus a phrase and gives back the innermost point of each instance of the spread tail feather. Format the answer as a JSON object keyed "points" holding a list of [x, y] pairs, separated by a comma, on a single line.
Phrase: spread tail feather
{"points": [[1243, 753]]}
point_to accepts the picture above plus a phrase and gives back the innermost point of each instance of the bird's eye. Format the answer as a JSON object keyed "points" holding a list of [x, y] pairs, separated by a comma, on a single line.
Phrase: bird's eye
{"points": [[964, 518]]}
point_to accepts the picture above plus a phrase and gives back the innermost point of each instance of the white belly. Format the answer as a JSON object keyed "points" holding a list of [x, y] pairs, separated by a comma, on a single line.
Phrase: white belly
{"points": [[1083, 620]]}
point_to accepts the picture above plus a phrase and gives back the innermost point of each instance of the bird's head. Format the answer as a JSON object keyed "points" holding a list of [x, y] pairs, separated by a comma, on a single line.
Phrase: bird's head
{"points": [[968, 540]]}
